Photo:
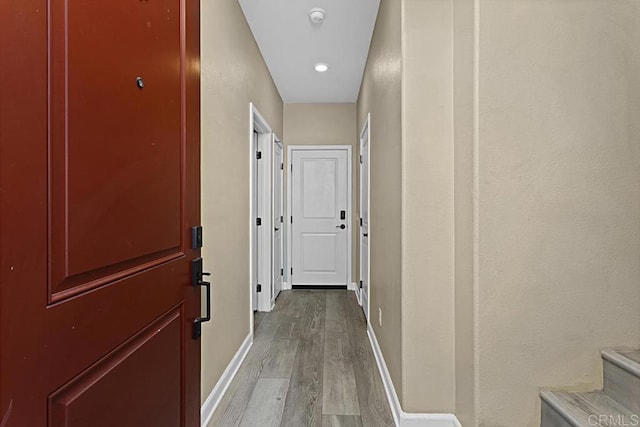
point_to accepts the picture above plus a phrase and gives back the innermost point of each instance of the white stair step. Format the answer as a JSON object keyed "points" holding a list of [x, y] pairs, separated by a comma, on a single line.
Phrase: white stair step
{"points": [[622, 377], [562, 409]]}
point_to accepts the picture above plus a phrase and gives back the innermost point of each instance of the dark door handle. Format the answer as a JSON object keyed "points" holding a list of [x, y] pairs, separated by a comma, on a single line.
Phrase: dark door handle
{"points": [[196, 280], [341, 226], [277, 229], [365, 234]]}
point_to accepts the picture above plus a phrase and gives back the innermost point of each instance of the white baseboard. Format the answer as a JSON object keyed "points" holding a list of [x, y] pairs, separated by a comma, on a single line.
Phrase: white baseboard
{"points": [[210, 405], [355, 288], [286, 286], [401, 418]]}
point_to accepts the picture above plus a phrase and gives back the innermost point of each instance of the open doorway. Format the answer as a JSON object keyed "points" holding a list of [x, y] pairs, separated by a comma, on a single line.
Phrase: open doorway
{"points": [[267, 267]]}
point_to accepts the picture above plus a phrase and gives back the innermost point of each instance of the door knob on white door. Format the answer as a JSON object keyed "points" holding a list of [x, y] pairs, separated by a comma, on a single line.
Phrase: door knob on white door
{"points": [[341, 226]]}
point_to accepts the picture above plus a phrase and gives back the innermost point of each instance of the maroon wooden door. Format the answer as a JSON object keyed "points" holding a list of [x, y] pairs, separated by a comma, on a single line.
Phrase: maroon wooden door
{"points": [[99, 188]]}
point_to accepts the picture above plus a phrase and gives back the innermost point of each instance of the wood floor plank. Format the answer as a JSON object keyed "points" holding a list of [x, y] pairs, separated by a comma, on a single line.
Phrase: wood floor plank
{"points": [[281, 359], [339, 394], [231, 408], [374, 407], [335, 309], [341, 421], [258, 316], [266, 404], [298, 305], [303, 406]]}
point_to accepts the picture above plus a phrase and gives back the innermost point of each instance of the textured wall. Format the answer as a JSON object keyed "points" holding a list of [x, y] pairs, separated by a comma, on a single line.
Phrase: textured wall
{"points": [[463, 143], [380, 95], [558, 197], [427, 208], [233, 75]]}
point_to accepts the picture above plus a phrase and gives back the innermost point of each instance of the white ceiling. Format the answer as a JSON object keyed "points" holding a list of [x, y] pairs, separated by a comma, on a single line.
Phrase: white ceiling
{"points": [[291, 45]]}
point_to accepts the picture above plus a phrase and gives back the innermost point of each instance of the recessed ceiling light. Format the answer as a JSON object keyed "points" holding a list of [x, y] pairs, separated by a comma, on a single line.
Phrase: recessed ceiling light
{"points": [[317, 15], [321, 67]]}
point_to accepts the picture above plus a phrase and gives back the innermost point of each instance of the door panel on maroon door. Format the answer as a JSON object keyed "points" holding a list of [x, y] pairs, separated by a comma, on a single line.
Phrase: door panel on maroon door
{"points": [[89, 400], [115, 147], [100, 186]]}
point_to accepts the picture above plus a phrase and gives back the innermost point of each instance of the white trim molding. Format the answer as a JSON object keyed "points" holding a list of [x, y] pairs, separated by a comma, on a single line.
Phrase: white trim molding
{"points": [[214, 398], [259, 207], [401, 418], [353, 286]]}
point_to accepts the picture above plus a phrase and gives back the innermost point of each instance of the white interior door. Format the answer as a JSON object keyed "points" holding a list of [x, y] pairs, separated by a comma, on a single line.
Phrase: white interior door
{"points": [[364, 222], [278, 218], [320, 213]]}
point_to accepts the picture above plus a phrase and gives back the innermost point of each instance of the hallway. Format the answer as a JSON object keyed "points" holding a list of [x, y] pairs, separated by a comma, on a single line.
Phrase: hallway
{"points": [[311, 364]]}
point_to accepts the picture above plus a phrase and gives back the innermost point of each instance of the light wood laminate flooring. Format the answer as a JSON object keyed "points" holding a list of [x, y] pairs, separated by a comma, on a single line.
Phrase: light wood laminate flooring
{"points": [[311, 364]]}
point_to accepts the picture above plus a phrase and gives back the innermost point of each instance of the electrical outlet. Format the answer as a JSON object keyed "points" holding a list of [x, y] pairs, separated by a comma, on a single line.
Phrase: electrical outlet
{"points": [[380, 316]]}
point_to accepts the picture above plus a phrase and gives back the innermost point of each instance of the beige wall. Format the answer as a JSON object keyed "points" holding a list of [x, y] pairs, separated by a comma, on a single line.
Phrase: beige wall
{"points": [[233, 74], [558, 197], [326, 124], [463, 145], [428, 371], [520, 205], [380, 95]]}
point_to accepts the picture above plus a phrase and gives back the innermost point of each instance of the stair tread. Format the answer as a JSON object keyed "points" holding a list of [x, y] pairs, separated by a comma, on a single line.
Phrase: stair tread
{"points": [[579, 408], [631, 354], [628, 360]]}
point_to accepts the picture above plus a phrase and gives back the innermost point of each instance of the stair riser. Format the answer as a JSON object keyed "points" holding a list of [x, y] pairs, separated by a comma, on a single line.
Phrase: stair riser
{"points": [[551, 418], [622, 386]]}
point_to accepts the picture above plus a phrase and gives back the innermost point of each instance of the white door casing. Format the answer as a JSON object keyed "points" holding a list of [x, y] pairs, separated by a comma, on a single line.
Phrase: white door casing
{"points": [[364, 215], [320, 211], [255, 230], [277, 269], [261, 139]]}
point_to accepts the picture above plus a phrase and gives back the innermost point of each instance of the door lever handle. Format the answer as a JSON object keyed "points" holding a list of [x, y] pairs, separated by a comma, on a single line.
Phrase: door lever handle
{"points": [[196, 280], [277, 229], [341, 226]]}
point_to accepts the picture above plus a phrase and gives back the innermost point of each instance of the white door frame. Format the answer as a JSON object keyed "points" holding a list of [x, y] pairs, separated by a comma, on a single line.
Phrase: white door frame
{"points": [[366, 130], [276, 170], [259, 206], [290, 150]]}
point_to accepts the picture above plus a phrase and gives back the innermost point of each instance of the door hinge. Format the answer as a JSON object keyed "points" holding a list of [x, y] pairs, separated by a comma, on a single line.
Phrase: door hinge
{"points": [[281, 219], [259, 288], [360, 222], [291, 167], [258, 155], [360, 284], [281, 166], [361, 159], [196, 237], [292, 220], [282, 271], [292, 271], [258, 222]]}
